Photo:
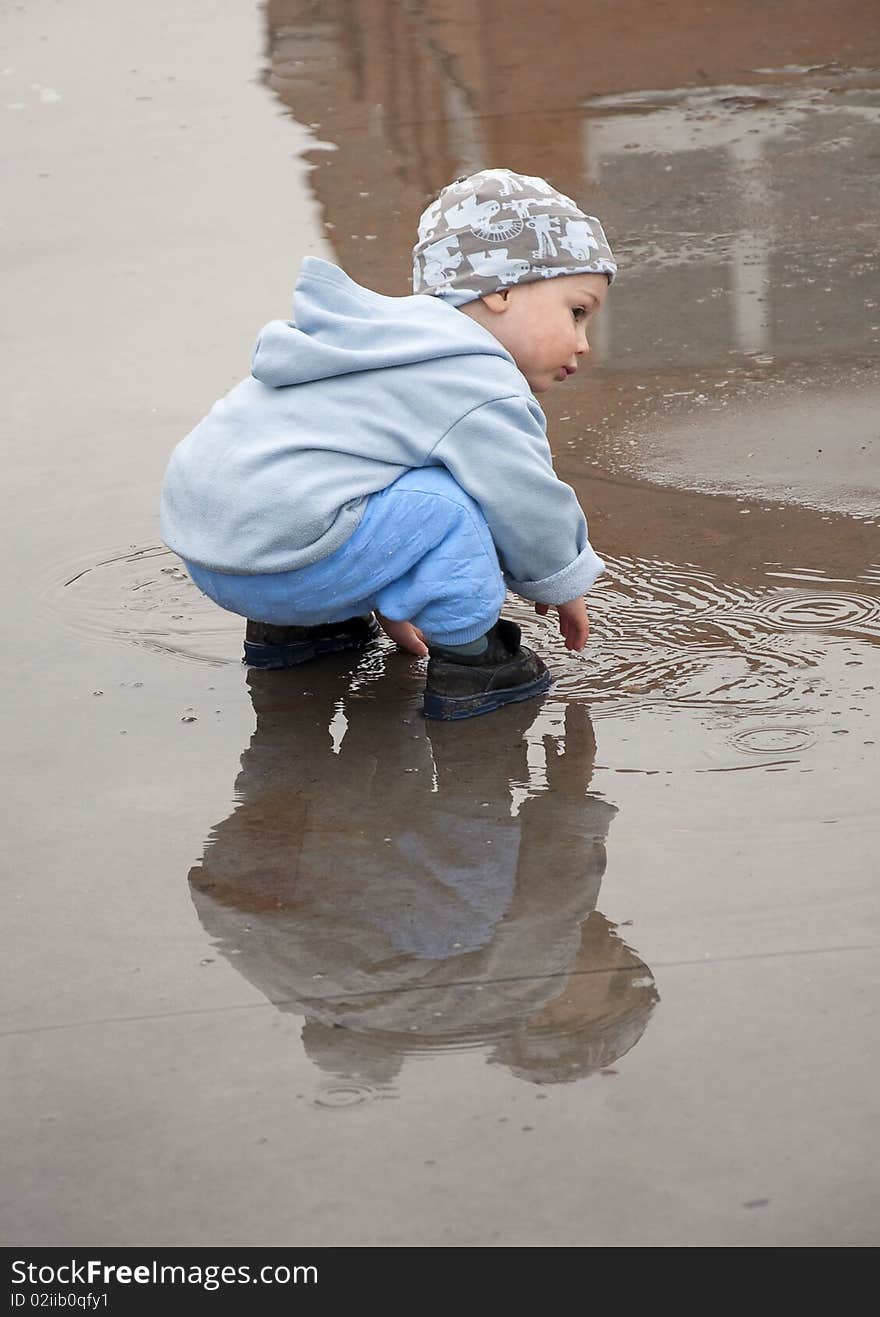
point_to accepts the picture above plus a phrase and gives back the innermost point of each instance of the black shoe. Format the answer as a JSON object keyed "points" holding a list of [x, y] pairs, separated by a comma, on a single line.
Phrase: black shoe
{"points": [[268, 646], [463, 686]]}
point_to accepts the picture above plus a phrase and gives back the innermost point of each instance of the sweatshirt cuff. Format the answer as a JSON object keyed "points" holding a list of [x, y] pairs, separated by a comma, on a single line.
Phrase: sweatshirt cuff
{"points": [[574, 580]]}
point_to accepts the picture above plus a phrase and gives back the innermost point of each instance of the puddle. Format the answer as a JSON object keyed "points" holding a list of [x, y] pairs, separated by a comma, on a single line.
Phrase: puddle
{"points": [[664, 635], [393, 881], [142, 596], [650, 898], [396, 885], [455, 907], [779, 432]]}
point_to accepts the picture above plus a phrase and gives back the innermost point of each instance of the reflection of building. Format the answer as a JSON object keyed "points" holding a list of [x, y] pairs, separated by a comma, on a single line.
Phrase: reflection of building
{"points": [[729, 185], [765, 248], [409, 895]]}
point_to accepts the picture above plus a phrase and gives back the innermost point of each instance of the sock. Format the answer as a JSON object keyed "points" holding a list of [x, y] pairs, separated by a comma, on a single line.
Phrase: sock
{"points": [[471, 650]]}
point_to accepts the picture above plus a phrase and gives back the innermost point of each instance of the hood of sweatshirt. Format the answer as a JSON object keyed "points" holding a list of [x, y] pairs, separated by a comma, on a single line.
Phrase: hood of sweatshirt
{"points": [[341, 328]]}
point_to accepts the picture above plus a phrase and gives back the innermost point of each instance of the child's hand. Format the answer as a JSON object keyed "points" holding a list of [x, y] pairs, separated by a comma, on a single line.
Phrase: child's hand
{"points": [[574, 625], [404, 634]]}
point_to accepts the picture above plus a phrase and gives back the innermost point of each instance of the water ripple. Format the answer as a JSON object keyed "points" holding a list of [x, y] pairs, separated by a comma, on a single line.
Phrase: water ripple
{"points": [[662, 632], [669, 633], [351, 1093], [772, 740], [141, 595], [810, 610]]}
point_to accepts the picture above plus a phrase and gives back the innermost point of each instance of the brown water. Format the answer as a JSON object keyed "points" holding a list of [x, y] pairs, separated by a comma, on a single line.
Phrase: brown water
{"points": [[283, 962]]}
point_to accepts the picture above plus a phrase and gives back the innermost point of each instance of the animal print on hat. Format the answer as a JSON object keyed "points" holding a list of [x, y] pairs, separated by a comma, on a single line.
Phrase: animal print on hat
{"points": [[497, 228]]}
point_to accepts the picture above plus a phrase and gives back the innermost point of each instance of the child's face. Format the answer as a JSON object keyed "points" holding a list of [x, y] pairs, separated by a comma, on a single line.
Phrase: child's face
{"points": [[544, 324]]}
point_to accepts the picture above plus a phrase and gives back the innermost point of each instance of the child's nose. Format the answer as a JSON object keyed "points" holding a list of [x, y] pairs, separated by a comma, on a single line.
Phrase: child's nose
{"points": [[583, 346]]}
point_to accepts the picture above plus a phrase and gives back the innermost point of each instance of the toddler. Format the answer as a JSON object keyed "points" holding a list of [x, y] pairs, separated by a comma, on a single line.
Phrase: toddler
{"points": [[386, 464]]}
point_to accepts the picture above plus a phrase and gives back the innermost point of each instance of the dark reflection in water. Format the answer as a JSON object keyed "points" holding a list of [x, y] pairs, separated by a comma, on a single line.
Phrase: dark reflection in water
{"points": [[746, 175], [411, 891]]}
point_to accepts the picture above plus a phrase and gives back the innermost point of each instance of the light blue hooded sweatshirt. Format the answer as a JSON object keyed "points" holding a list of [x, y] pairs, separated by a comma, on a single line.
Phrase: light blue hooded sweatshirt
{"points": [[359, 390]]}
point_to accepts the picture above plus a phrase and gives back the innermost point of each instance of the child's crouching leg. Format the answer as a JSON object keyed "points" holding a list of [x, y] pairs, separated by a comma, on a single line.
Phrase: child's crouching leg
{"points": [[452, 595], [267, 602], [268, 646], [451, 589]]}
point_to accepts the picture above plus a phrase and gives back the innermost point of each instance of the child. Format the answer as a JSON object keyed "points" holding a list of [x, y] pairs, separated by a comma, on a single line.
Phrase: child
{"points": [[388, 456]]}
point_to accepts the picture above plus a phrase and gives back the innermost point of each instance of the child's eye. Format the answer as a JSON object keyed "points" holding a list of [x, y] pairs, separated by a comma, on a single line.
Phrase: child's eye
{"points": [[579, 312]]}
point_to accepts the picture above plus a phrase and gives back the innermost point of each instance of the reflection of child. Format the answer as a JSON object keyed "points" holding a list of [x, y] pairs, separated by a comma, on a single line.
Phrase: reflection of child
{"points": [[601, 1011], [441, 915], [388, 455]]}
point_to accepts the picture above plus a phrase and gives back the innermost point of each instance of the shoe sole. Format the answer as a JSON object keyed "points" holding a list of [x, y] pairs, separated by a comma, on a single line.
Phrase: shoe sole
{"points": [[451, 707], [303, 651]]}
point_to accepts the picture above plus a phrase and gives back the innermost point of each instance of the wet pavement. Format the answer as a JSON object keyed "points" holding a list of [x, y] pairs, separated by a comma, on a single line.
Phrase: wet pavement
{"points": [[286, 964]]}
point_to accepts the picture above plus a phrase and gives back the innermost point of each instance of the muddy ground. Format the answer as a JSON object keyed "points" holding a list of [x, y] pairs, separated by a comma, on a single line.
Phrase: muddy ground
{"points": [[284, 964]]}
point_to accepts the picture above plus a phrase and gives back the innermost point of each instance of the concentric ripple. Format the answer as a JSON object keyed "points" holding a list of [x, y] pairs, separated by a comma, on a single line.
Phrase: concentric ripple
{"points": [[662, 632], [141, 595], [666, 633], [810, 610], [348, 1094], [772, 740]]}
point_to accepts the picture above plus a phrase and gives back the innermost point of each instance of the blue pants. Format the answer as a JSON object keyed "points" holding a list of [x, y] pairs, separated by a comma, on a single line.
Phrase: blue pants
{"points": [[422, 554]]}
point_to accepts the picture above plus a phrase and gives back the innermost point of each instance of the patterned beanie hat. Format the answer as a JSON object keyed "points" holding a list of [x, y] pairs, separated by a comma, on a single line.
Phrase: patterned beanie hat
{"points": [[497, 228]]}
